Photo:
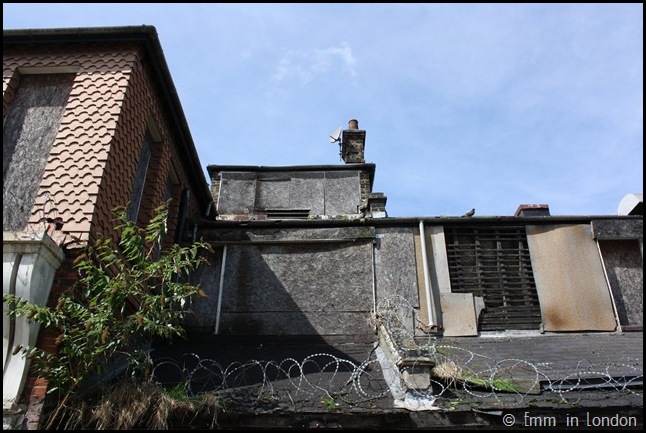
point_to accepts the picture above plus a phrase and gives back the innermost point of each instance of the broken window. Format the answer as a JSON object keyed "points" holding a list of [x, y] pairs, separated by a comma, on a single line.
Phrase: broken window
{"points": [[494, 263], [140, 179]]}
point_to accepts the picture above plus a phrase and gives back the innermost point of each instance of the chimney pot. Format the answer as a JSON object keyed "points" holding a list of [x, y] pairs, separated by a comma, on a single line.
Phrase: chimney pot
{"points": [[528, 210], [353, 124]]}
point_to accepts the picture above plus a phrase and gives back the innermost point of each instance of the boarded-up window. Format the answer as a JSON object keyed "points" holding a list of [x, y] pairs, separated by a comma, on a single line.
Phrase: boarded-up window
{"points": [[28, 135], [272, 192], [494, 263], [624, 268]]}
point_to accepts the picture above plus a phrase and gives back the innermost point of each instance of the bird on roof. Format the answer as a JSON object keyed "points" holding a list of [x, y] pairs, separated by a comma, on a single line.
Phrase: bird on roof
{"points": [[470, 213]]}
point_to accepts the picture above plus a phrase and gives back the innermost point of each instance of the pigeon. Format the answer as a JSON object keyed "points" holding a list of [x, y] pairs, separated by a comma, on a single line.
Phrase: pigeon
{"points": [[470, 213]]}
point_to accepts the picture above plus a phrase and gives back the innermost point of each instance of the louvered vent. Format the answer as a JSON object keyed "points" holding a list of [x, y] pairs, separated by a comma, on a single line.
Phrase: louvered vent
{"points": [[494, 262], [299, 214]]}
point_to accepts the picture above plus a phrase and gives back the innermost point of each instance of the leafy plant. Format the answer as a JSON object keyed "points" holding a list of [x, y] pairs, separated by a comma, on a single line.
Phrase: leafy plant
{"points": [[125, 294], [329, 402]]}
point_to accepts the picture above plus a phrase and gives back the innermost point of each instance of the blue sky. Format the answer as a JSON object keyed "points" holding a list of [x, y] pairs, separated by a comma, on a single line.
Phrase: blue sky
{"points": [[482, 106]]}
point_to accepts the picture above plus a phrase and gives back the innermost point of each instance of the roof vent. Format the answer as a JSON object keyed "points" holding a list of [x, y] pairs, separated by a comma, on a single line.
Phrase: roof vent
{"points": [[285, 214]]}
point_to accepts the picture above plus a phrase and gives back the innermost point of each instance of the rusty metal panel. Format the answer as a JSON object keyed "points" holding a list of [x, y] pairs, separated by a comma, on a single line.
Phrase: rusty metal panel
{"points": [[569, 277]]}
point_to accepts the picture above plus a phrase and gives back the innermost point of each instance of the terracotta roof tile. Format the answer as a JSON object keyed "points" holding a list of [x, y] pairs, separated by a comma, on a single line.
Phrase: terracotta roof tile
{"points": [[94, 155]]}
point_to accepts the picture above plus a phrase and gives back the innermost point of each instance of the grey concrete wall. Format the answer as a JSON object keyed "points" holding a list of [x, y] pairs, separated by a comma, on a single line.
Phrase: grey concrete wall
{"points": [[618, 229], [395, 269], [289, 235], [330, 193], [237, 193], [272, 191], [395, 264], [204, 309], [307, 191], [292, 288], [569, 277], [342, 193], [624, 267]]}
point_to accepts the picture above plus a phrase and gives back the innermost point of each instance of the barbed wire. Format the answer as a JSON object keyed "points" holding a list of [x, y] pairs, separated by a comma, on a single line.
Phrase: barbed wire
{"points": [[335, 381]]}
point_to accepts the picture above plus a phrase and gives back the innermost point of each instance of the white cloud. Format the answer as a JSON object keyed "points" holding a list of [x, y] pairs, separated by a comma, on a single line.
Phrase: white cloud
{"points": [[305, 66]]}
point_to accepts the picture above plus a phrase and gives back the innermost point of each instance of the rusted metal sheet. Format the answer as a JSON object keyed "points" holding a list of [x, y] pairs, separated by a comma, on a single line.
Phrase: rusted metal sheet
{"points": [[570, 281]]}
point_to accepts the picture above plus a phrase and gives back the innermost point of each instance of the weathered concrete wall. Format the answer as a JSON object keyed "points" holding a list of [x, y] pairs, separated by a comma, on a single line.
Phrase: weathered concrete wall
{"points": [[395, 268], [618, 229], [237, 193], [624, 267], [342, 193], [315, 235], [307, 191], [570, 281], [323, 193], [272, 191], [205, 309], [290, 282], [395, 264]]}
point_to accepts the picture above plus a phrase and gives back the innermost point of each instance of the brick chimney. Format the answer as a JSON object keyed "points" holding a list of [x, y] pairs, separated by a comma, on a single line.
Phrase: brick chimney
{"points": [[530, 210], [353, 143]]}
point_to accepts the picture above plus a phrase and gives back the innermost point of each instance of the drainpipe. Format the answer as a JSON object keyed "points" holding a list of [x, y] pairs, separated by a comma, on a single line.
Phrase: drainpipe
{"points": [[430, 302], [374, 284], [224, 263]]}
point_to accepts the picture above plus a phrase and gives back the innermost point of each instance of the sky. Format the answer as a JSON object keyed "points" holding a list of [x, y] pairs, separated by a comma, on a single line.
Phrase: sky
{"points": [[484, 106]]}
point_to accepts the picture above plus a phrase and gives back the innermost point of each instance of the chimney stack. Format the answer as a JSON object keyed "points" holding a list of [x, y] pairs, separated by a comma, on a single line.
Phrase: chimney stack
{"points": [[353, 143], [530, 210]]}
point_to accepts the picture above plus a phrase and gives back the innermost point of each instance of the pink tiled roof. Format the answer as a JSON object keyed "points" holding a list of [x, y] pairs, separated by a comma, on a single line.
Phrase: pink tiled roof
{"points": [[72, 179], [92, 162]]}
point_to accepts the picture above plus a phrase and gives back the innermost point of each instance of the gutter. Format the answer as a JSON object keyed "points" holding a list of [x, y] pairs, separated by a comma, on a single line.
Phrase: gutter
{"points": [[409, 221]]}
